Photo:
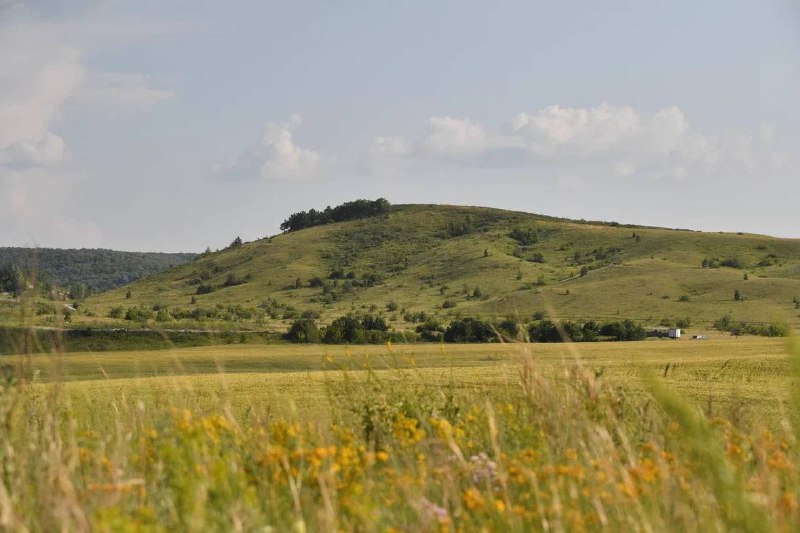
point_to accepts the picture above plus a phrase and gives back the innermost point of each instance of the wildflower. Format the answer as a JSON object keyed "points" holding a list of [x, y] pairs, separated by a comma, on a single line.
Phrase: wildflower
{"points": [[430, 510], [788, 501], [484, 470], [473, 500]]}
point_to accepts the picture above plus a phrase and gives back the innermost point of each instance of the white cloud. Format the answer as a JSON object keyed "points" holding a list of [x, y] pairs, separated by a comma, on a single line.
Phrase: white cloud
{"points": [[37, 75], [450, 136], [43, 75], [274, 155], [599, 142], [44, 81], [463, 138], [49, 150]]}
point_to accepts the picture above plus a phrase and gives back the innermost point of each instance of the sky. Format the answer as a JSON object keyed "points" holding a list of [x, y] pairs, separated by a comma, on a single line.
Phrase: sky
{"points": [[176, 126]]}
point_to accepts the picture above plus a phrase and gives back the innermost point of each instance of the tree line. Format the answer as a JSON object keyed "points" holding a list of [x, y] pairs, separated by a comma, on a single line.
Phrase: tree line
{"points": [[347, 211], [369, 329], [86, 270]]}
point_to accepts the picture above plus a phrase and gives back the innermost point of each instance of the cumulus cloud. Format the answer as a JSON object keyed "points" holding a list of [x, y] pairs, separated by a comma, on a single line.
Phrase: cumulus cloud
{"points": [[49, 150], [450, 136], [43, 77], [603, 141], [45, 81], [37, 76], [274, 155]]}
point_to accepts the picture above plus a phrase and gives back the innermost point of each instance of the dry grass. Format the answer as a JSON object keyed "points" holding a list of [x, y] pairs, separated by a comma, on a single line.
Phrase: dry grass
{"points": [[483, 438]]}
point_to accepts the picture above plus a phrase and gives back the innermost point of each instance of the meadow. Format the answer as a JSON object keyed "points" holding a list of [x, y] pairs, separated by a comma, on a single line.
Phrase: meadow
{"points": [[641, 436], [432, 258]]}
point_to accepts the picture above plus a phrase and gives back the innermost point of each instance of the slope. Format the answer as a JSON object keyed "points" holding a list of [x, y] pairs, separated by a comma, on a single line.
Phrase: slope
{"points": [[447, 261]]}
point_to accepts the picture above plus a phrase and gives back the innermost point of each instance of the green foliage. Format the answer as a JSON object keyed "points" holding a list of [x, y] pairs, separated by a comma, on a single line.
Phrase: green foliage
{"points": [[549, 331], [713, 262], [97, 269], [409, 256], [347, 211], [775, 329], [232, 280], [204, 288], [469, 330], [624, 330], [303, 330], [139, 313], [11, 279], [525, 236], [430, 330], [351, 329]]}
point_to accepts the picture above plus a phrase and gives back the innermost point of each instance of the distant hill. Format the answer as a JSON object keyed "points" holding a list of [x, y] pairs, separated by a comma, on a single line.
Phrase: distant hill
{"points": [[98, 269], [447, 261]]}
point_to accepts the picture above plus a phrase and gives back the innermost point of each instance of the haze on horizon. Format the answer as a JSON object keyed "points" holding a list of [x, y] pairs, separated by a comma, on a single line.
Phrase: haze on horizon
{"points": [[175, 126]]}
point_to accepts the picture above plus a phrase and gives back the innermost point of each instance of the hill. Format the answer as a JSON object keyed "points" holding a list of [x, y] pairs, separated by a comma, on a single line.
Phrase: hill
{"points": [[446, 261], [96, 269]]}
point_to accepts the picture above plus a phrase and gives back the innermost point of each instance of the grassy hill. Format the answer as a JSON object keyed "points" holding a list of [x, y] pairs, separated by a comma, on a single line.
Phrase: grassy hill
{"points": [[97, 269], [448, 261]]}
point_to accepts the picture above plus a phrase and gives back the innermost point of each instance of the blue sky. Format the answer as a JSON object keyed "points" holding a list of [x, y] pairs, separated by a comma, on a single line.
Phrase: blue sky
{"points": [[179, 125]]}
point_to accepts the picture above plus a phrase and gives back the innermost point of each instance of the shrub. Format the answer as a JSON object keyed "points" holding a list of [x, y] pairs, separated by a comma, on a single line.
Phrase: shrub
{"points": [[204, 288], [469, 330], [524, 236], [139, 313], [303, 330], [430, 330]]}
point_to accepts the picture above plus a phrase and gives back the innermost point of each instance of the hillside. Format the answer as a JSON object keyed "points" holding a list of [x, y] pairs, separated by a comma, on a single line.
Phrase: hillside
{"points": [[448, 261], [97, 269]]}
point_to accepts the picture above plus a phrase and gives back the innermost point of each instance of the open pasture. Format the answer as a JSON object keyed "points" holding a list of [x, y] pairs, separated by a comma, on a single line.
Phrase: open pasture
{"points": [[746, 377], [504, 437]]}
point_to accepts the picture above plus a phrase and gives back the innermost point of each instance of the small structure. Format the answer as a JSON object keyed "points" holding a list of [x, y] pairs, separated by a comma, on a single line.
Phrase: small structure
{"points": [[674, 333]]}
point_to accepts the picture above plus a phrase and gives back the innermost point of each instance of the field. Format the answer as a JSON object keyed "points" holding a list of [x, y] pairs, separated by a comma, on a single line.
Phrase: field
{"points": [[551, 437], [749, 374]]}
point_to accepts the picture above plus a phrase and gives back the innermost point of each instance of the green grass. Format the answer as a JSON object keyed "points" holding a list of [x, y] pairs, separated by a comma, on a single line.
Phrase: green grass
{"points": [[504, 437], [420, 266], [742, 377]]}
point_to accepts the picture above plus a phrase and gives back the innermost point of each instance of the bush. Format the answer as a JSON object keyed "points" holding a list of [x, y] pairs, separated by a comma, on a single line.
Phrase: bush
{"points": [[232, 280], [351, 329], [204, 288], [303, 330], [430, 330], [626, 330], [448, 304], [524, 236], [469, 330], [139, 313]]}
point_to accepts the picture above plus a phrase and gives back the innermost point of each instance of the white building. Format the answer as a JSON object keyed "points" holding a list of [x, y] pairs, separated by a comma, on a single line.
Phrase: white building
{"points": [[674, 333]]}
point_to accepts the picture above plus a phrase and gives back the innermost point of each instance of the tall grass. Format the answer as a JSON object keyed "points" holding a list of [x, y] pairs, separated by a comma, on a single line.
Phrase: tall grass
{"points": [[552, 451]]}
